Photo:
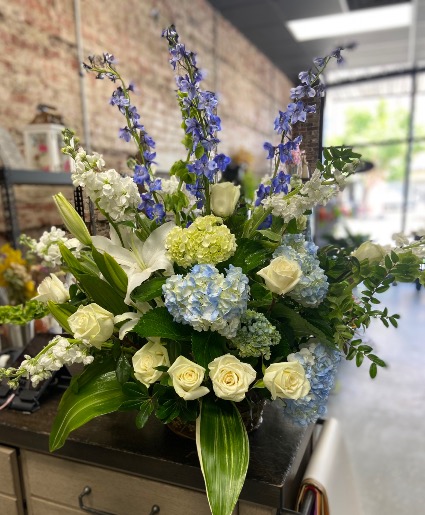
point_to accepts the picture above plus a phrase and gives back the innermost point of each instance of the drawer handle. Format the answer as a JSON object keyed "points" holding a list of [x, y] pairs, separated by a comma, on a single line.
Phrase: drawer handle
{"points": [[87, 490]]}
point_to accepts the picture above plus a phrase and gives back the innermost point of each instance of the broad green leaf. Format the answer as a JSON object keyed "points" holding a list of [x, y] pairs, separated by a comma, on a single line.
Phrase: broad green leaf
{"points": [[146, 408], [100, 395], [158, 322], [271, 235], [373, 370], [300, 324], [111, 271], [249, 255], [74, 265], [123, 370], [149, 289], [103, 294], [223, 451], [207, 346], [62, 312]]}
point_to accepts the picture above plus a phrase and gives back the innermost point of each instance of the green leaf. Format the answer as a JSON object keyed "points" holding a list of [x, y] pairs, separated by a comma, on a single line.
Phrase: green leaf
{"points": [[149, 289], [146, 408], [62, 312], [111, 271], [123, 369], [101, 393], [223, 450], [249, 255], [300, 324], [378, 361], [359, 359], [158, 322], [103, 294], [373, 370], [271, 235], [75, 266], [388, 262], [199, 151], [207, 346]]}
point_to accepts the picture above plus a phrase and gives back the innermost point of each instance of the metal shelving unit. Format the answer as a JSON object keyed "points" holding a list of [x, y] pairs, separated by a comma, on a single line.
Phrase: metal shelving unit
{"points": [[12, 177]]}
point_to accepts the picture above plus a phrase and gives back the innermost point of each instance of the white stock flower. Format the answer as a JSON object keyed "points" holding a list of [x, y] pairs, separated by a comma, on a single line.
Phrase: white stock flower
{"points": [[143, 259], [151, 355], [223, 198], [92, 324], [170, 185], [52, 288], [400, 239], [286, 380], [231, 377], [281, 275], [58, 352], [187, 377]]}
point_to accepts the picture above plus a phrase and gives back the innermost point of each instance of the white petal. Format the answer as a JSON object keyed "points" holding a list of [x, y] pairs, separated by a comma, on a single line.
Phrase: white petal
{"points": [[136, 279], [154, 247]]}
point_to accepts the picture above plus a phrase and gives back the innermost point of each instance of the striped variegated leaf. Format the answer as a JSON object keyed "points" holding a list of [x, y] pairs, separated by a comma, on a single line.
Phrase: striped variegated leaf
{"points": [[223, 450]]}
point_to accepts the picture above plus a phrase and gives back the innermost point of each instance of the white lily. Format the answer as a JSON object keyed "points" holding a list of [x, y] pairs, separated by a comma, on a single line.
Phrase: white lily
{"points": [[144, 258], [132, 317]]}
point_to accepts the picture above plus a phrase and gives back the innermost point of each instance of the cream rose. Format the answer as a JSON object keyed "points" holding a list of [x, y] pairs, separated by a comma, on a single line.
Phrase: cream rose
{"points": [[230, 377], [286, 380], [223, 198], [92, 324], [151, 355], [371, 251], [52, 288], [187, 377], [282, 275]]}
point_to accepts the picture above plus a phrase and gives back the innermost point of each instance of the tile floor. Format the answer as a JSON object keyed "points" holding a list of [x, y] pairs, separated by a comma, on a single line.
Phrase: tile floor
{"points": [[384, 419]]}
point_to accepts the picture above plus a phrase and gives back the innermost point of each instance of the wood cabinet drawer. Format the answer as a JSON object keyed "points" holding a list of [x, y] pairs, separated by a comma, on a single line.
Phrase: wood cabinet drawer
{"points": [[9, 473], [60, 481], [10, 505], [10, 483]]}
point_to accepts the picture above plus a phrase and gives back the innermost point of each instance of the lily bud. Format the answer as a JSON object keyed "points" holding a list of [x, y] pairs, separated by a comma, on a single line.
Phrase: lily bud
{"points": [[72, 220]]}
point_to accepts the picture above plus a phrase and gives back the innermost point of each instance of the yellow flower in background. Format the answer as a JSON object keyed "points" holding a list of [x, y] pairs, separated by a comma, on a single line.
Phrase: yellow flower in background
{"points": [[206, 241], [9, 256]]}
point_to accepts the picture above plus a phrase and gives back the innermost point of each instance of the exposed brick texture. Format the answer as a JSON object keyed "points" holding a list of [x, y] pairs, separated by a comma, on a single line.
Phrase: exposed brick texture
{"points": [[38, 64]]}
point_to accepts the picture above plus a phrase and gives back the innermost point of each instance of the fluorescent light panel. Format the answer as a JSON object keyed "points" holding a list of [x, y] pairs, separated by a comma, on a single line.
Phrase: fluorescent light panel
{"points": [[353, 22]]}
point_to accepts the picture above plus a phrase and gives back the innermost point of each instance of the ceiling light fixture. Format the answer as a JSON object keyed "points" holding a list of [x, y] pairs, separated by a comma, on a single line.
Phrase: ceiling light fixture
{"points": [[353, 22]]}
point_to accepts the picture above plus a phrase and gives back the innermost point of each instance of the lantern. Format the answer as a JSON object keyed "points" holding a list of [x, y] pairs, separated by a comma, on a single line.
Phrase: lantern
{"points": [[43, 142]]}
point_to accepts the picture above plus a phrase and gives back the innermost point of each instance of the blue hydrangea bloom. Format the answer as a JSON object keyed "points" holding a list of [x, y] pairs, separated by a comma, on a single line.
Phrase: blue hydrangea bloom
{"points": [[208, 300], [313, 285], [320, 363]]}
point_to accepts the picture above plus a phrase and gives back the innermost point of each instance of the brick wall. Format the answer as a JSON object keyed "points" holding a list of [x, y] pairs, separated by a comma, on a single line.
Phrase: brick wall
{"points": [[38, 64]]}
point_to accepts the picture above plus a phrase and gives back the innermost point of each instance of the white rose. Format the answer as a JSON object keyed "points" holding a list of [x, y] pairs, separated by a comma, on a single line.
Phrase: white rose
{"points": [[151, 355], [92, 324], [282, 275], [286, 380], [223, 198], [371, 251], [187, 377], [52, 288], [230, 377]]}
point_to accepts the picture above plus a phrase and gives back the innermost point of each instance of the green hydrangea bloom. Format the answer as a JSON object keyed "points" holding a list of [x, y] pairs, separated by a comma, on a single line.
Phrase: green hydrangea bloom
{"points": [[255, 336], [206, 241]]}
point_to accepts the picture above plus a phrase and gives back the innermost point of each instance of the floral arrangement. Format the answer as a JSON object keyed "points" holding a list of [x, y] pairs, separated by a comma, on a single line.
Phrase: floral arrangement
{"points": [[197, 304]]}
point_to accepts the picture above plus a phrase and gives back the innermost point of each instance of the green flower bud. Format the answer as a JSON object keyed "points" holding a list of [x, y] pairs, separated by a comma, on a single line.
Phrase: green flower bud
{"points": [[72, 220]]}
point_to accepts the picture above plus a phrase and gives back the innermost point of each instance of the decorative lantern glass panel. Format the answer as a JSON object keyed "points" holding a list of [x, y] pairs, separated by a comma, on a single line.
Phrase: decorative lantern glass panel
{"points": [[43, 142]]}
